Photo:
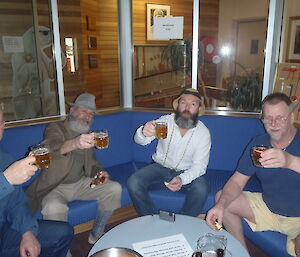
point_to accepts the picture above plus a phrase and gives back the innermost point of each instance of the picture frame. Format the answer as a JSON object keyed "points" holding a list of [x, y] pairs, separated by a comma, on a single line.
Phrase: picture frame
{"points": [[92, 42], [155, 10], [91, 23], [293, 40], [92, 61]]}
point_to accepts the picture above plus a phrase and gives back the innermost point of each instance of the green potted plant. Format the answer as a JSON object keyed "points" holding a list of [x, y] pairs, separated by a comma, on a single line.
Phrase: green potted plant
{"points": [[244, 91]]}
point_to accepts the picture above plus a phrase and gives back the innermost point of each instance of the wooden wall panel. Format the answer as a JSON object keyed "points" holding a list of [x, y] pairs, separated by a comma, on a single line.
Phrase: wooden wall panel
{"points": [[209, 18], [16, 17], [70, 26], [209, 13], [102, 81], [139, 17]]}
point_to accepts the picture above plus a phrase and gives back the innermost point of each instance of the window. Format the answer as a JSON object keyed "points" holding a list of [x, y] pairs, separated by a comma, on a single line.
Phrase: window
{"points": [[27, 75], [231, 55]]}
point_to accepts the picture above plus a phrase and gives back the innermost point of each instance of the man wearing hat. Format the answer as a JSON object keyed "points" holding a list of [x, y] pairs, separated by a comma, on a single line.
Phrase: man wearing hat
{"points": [[180, 159], [72, 169]]}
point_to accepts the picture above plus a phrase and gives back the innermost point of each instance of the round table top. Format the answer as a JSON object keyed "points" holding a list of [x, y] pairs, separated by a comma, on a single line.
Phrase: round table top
{"points": [[152, 227]]}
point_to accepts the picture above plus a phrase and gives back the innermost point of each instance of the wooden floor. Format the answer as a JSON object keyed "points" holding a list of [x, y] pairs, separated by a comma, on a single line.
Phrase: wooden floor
{"points": [[80, 246]]}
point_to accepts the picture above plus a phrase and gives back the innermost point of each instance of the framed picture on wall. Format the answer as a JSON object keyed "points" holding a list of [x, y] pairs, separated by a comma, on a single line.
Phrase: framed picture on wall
{"points": [[155, 10], [293, 40], [92, 42], [91, 23]]}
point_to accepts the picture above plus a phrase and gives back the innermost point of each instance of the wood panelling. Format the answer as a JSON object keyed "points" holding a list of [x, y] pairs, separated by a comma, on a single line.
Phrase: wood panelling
{"points": [[102, 81], [69, 13], [16, 17], [208, 26], [177, 8]]}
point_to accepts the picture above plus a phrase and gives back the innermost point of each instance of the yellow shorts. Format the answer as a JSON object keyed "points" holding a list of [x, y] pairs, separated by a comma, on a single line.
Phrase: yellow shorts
{"points": [[267, 220]]}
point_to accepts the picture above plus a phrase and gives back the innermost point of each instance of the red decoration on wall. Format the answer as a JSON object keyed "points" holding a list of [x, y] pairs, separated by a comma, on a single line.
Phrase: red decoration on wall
{"points": [[210, 48]]}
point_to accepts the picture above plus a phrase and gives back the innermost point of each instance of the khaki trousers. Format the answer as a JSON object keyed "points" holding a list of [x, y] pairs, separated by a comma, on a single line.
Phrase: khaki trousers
{"points": [[54, 204]]}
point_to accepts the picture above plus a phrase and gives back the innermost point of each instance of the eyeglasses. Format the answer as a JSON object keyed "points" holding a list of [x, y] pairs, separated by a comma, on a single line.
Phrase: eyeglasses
{"points": [[278, 120]]}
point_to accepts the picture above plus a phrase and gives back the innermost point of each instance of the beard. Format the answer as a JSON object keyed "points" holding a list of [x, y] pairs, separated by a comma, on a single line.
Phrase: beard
{"points": [[78, 125], [186, 122]]}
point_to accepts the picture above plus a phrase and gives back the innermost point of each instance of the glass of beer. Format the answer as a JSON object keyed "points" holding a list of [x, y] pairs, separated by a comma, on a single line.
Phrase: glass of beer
{"points": [[255, 154], [42, 155], [161, 129], [101, 139]]}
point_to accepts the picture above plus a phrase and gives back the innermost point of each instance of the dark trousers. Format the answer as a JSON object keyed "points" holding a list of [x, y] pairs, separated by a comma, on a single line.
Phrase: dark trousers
{"points": [[141, 181], [54, 236]]}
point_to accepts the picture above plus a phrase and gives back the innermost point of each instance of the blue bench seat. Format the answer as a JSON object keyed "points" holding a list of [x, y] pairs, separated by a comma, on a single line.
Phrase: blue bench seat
{"points": [[229, 136]]}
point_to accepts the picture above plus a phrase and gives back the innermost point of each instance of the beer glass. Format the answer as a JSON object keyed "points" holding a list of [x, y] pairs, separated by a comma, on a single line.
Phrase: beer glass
{"points": [[42, 155], [101, 139], [255, 154], [161, 129]]}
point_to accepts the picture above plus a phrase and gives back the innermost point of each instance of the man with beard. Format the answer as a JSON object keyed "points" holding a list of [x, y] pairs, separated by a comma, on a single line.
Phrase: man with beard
{"points": [[72, 169], [277, 207], [180, 159]]}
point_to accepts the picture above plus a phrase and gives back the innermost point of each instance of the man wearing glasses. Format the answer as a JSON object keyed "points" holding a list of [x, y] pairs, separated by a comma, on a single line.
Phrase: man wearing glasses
{"points": [[277, 207]]}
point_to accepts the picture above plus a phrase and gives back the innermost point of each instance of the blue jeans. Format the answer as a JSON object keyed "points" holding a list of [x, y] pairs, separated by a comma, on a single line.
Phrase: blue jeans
{"points": [[154, 175], [54, 236]]}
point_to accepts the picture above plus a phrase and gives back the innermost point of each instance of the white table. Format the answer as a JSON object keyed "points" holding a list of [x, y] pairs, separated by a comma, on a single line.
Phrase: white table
{"points": [[152, 227]]}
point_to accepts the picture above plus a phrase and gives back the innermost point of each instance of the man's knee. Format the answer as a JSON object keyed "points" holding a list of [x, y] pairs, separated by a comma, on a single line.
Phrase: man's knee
{"points": [[60, 229], [133, 182], [217, 196], [200, 187], [116, 188], [54, 210]]}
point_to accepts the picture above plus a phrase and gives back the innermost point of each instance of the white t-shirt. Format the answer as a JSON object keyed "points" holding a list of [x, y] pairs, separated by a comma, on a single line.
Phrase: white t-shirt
{"points": [[189, 152]]}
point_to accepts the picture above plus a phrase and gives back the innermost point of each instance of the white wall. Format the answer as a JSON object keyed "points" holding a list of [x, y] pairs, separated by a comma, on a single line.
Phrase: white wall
{"points": [[231, 11]]}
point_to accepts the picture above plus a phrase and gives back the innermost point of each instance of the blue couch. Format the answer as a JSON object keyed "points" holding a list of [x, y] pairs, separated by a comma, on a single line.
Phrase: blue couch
{"points": [[229, 135]]}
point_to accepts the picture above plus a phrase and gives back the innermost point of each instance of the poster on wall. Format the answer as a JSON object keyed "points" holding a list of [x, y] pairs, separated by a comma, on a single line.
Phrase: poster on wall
{"points": [[168, 28], [12, 44], [288, 81], [293, 40], [155, 10]]}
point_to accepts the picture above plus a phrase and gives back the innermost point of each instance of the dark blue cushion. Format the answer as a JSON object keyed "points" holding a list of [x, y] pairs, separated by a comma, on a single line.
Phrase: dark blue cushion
{"points": [[120, 138], [17, 140], [272, 243], [79, 211], [229, 136]]}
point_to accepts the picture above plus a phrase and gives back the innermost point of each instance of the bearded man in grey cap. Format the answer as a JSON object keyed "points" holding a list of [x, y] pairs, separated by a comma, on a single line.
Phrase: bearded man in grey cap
{"points": [[72, 169]]}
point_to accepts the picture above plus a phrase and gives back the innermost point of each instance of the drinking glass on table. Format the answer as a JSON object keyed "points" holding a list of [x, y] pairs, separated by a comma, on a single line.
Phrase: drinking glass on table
{"points": [[42, 155], [101, 139], [211, 245]]}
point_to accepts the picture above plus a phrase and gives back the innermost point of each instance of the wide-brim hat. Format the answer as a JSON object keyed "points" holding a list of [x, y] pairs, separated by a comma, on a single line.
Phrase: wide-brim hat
{"points": [[194, 92], [86, 101]]}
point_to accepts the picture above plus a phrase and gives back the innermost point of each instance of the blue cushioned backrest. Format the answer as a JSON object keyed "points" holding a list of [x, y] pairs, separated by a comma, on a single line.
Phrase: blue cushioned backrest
{"points": [[17, 140], [120, 138], [226, 132], [143, 153], [232, 133]]}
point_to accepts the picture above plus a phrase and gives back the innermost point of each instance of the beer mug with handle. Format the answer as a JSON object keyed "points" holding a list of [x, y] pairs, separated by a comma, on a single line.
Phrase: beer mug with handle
{"points": [[42, 155]]}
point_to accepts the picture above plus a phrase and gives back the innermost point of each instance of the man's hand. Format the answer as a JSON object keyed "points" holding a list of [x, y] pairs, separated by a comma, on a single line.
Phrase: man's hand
{"points": [[20, 171], [84, 141], [100, 177], [175, 184], [274, 158], [215, 215], [103, 176], [149, 129], [29, 245]]}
